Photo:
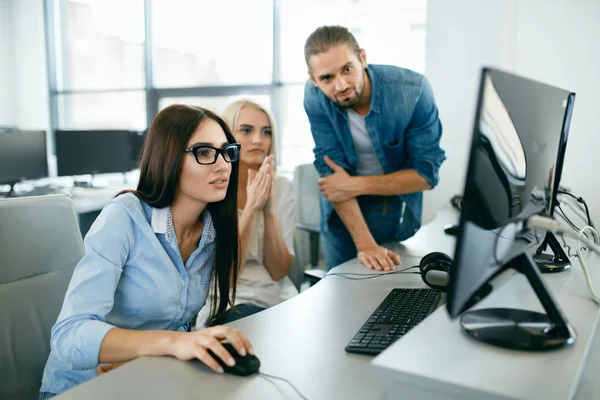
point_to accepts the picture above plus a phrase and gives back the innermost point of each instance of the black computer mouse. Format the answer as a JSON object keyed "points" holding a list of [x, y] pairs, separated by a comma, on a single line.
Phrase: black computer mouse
{"points": [[244, 365]]}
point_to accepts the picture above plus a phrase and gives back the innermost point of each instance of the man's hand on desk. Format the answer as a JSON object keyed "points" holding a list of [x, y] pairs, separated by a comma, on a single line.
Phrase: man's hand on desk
{"points": [[378, 258], [339, 186]]}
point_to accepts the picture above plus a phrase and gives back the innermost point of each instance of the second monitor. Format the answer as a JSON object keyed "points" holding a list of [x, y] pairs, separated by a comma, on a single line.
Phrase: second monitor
{"points": [[84, 152]]}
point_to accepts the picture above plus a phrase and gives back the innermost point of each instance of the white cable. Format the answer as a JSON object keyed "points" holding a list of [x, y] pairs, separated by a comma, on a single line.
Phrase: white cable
{"points": [[549, 224], [588, 281]]}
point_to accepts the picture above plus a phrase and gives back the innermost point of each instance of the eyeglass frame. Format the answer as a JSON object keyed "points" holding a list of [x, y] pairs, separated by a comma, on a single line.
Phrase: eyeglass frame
{"points": [[218, 150]]}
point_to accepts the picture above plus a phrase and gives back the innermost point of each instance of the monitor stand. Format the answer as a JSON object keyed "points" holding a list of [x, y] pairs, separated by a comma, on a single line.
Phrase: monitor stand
{"points": [[11, 192], [522, 329], [556, 262]]}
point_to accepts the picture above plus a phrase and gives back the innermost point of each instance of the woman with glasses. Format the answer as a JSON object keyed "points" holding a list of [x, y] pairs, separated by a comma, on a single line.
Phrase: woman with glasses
{"points": [[151, 256], [266, 217]]}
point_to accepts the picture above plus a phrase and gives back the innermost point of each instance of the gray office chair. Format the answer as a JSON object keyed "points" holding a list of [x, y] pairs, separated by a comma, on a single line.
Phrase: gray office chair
{"points": [[40, 244], [308, 213]]}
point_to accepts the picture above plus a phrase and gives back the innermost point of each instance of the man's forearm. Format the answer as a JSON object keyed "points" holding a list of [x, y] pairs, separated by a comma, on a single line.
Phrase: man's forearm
{"points": [[399, 182], [350, 213]]}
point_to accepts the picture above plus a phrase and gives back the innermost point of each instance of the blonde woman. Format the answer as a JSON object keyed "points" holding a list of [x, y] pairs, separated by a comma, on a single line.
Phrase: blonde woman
{"points": [[266, 217]]}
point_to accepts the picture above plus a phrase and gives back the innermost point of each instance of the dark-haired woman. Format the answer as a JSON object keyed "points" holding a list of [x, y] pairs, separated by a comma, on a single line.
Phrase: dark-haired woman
{"points": [[151, 255]]}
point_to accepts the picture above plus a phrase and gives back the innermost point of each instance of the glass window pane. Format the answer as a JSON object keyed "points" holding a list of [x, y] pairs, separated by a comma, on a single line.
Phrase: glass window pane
{"points": [[102, 44], [294, 129], [214, 103], [390, 31], [113, 110], [204, 43]]}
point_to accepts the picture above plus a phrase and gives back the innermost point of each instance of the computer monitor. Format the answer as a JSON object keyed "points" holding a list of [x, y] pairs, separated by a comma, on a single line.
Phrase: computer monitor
{"points": [[512, 175], [136, 142], [84, 152], [22, 156], [558, 261]]}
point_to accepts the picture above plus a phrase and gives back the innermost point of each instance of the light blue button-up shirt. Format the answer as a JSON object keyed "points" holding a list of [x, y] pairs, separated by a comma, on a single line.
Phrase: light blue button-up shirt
{"points": [[133, 277]]}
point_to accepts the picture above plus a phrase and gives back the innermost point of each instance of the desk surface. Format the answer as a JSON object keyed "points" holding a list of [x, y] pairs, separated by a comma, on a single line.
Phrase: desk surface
{"points": [[302, 340]]}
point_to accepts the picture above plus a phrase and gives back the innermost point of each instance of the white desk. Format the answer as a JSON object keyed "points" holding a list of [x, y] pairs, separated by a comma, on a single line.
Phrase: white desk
{"points": [[303, 340]]}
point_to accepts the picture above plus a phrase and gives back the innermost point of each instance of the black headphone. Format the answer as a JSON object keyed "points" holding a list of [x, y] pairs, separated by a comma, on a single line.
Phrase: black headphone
{"points": [[435, 270]]}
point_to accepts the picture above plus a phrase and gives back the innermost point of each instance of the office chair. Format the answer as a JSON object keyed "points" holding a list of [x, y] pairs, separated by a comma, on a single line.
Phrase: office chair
{"points": [[40, 245], [308, 211]]}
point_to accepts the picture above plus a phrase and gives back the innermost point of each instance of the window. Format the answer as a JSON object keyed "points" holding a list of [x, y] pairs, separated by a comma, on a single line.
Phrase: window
{"points": [[110, 110], [102, 45], [295, 138], [210, 43], [210, 53], [390, 31], [216, 104]]}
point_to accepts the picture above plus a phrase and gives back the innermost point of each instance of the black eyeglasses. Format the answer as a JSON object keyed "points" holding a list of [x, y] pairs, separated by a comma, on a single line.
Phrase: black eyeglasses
{"points": [[206, 155]]}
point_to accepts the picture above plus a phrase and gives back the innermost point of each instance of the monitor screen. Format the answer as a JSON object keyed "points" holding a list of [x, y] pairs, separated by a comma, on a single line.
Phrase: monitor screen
{"points": [[512, 174], [94, 152], [22, 156]]}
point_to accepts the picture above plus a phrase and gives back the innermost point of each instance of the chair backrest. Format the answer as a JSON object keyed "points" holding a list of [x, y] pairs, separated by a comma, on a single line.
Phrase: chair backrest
{"points": [[306, 188], [40, 245], [308, 211]]}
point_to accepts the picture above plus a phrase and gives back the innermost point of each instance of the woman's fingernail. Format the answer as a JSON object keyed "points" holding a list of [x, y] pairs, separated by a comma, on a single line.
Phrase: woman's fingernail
{"points": [[250, 350], [220, 370], [231, 362], [243, 352]]}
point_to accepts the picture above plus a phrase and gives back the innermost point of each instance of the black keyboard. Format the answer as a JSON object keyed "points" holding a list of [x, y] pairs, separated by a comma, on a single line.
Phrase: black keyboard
{"points": [[401, 310]]}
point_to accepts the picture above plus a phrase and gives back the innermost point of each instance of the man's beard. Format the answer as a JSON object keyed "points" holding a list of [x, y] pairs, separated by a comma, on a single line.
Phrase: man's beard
{"points": [[348, 102]]}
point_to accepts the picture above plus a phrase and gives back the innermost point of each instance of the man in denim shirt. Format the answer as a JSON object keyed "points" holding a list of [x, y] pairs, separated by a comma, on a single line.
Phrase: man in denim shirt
{"points": [[377, 148]]}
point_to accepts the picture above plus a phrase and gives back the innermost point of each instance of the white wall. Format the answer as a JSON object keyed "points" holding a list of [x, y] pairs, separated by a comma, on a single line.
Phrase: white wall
{"points": [[554, 41], [7, 71], [559, 43]]}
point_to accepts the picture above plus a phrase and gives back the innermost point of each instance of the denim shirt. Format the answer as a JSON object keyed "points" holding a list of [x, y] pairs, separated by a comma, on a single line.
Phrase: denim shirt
{"points": [[132, 276], [403, 125]]}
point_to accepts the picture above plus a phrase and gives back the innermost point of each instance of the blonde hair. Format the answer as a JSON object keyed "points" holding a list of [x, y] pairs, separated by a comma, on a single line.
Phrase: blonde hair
{"points": [[232, 113]]}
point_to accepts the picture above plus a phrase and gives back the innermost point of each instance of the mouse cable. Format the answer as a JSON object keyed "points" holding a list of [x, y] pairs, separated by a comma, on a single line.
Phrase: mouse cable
{"points": [[358, 276], [285, 380]]}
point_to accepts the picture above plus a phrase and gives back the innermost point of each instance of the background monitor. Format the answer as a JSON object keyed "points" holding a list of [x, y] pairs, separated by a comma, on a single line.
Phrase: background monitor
{"points": [[94, 151], [512, 174], [22, 156], [136, 142]]}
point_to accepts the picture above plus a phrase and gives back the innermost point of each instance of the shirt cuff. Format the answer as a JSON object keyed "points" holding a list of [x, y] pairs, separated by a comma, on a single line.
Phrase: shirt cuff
{"points": [[89, 339], [428, 171]]}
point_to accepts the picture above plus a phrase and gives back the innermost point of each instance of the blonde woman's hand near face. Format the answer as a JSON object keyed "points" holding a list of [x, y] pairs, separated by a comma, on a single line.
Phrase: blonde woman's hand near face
{"points": [[269, 207], [190, 345], [259, 186]]}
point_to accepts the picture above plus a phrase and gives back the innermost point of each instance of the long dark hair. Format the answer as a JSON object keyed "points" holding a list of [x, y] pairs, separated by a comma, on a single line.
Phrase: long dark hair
{"points": [[160, 168]]}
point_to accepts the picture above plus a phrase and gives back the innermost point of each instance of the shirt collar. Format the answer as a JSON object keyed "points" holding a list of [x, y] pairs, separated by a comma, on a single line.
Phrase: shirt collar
{"points": [[162, 222]]}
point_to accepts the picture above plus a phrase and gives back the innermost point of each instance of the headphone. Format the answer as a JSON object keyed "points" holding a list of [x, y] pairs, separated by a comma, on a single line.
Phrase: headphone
{"points": [[435, 270]]}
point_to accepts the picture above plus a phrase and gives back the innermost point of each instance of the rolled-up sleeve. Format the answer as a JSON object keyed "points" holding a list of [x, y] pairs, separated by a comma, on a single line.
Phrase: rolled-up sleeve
{"points": [[423, 137], [326, 141], [80, 329]]}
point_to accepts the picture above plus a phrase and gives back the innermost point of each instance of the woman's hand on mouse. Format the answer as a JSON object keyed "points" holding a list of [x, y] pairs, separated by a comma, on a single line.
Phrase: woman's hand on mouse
{"points": [[189, 345]]}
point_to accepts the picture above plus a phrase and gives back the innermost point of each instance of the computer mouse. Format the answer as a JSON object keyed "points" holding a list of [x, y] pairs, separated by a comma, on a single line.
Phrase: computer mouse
{"points": [[244, 365]]}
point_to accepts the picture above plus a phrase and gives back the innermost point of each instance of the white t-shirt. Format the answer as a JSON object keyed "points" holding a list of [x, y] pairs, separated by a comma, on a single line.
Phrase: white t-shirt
{"points": [[367, 161], [255, 285]]}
